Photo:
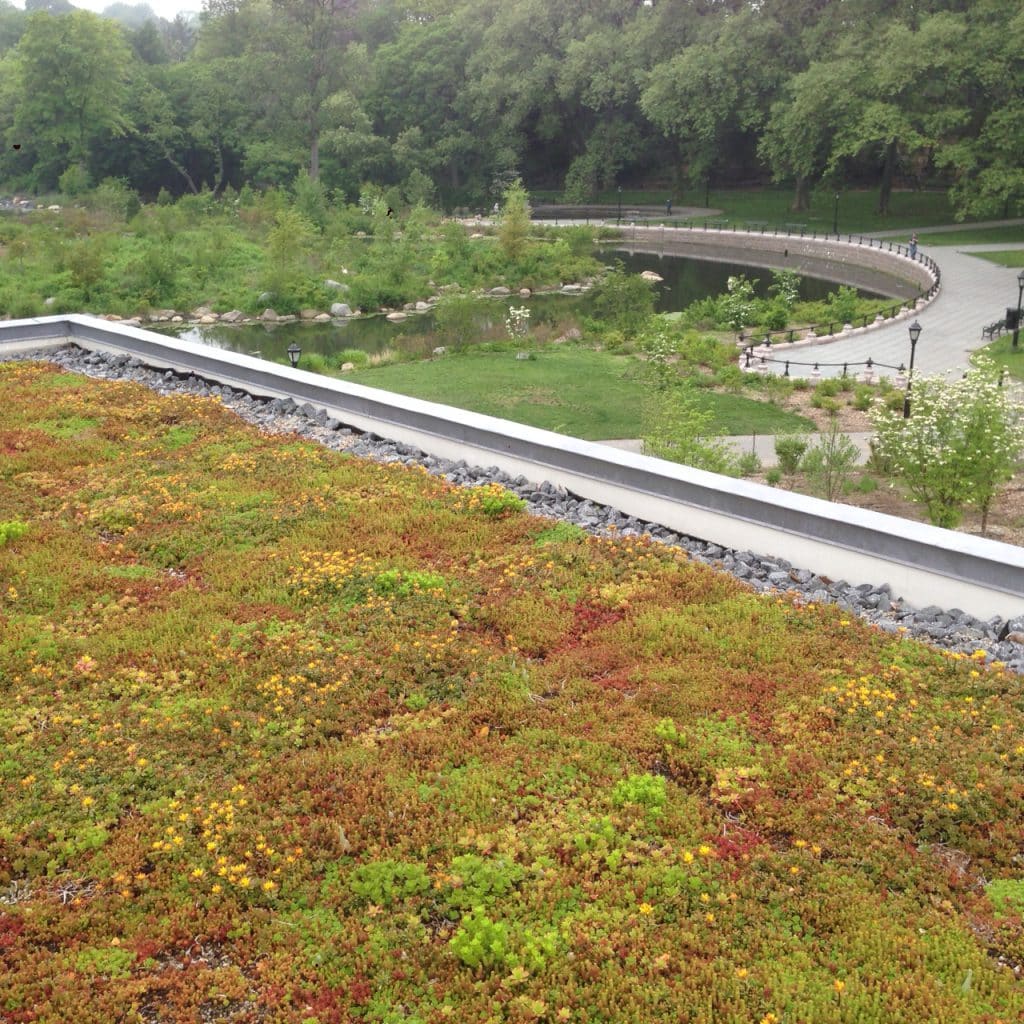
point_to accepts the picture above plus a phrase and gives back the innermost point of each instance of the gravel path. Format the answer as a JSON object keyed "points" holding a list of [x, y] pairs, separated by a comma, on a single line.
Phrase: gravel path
{"points": [[951, 629]]}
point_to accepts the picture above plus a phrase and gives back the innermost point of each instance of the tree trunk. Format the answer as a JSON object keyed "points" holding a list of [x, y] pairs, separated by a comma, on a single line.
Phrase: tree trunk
{"points": [[802, 196], [181, 170], [888, 171], [314, 156], [219, 183]]}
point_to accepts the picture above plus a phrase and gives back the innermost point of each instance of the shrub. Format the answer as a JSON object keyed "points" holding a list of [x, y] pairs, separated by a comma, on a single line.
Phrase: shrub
{"points": [[863, 396], [748, 464], [829, 463], [842, 304], [963, 440], [773, 477], [789, 450], [621, 301]]}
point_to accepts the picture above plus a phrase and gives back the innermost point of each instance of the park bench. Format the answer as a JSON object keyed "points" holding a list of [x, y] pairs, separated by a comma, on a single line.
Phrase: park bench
{"points": [[993, 330], [795, 229], [757, 225]]}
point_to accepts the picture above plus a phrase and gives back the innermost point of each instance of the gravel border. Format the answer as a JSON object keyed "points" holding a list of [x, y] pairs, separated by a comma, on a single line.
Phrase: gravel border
{"points": [[950, 629]]}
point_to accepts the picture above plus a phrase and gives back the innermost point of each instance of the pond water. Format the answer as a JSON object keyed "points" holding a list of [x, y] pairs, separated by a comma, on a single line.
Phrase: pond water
{"points": [[685, 281]]}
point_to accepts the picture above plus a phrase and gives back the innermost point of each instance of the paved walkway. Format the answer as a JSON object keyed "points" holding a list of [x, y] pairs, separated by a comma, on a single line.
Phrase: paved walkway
{"points": [[974, 293]]}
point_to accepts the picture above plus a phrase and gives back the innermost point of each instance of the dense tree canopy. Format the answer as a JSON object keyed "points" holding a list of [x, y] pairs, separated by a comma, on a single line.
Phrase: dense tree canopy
{"points": [[448, 99]]}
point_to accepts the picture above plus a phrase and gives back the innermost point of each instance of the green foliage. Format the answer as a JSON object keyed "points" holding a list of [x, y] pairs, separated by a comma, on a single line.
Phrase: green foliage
{"points": [[475, 881], [1006, 896], [310, 200], [75, 181], [842, 304], [12, 529], [514, 222], [963, 440], [830, 462], [748, 464], [789, 450], [621, 301], [458, 317], [485, 944], [387, 882], [737, 307], [773, 477], [646, 791], [676, 428], [107, 962]]}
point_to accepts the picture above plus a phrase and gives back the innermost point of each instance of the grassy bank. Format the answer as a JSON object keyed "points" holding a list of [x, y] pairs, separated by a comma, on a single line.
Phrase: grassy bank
{"points": [[593, 395], [294, 737]]}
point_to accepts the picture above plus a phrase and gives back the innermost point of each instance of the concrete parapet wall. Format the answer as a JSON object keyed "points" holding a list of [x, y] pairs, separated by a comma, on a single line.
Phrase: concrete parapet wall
{"points": [[924, 564], [873, 268]]}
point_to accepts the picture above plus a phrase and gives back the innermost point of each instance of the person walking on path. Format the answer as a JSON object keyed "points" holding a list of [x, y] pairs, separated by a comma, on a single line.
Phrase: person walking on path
{"points": [[668, 206], [913, 246]]}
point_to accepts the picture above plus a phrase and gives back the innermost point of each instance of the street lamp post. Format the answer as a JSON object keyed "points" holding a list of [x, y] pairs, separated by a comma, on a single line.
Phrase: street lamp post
{"points": [[835, 216], [293, 354], [1020, 294], [915, 332], [619, 221]]}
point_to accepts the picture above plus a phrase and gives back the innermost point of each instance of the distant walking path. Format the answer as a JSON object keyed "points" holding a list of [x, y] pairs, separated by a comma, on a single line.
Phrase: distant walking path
{"points": [[762, 445], [974, 293]]}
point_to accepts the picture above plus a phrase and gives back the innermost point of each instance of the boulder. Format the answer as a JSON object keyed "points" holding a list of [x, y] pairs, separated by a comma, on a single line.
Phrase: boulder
{"points": [[407, 306], [422, 307], [397, 317], [650, 275], [308, 314], [340, 309], [524, 293], [269, 314], [49, 301], [477, 234], [54, 208], [440, 350], [322, 318], [209, 318], [500, 290], [571, 289], [201, 311], [177, 318], [233, 316], [330, 283], [347, 367]]}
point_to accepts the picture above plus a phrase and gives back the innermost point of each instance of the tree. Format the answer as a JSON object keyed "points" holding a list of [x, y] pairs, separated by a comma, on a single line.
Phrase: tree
{"points": [[676, 428], [73, 85], [964, 440], [829, 463], [514, 223]]}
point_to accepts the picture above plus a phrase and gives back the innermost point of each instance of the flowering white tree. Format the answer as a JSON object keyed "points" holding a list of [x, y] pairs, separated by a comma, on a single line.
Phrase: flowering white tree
{"points": [[964, 440], [517, 323]]}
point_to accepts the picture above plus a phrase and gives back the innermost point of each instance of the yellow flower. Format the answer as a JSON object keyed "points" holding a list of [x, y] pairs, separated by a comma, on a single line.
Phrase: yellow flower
{"points": [[646, 908], [705, 850], [687, 857], [838, 986], [742, 972]]}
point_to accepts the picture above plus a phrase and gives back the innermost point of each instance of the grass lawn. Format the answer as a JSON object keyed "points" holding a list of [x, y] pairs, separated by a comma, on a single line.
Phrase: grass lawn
{"points": [[857, 209], [1001, 352], [1007, 258], [976, 236], [592, 395], [288, 736]]}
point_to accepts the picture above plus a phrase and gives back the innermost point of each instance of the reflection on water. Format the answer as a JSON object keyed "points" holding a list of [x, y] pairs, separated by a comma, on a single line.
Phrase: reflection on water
{"points": [[685, 281]]}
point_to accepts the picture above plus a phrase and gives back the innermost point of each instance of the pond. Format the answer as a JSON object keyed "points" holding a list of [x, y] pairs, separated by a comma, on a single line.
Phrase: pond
{"points": [[685, 281]]}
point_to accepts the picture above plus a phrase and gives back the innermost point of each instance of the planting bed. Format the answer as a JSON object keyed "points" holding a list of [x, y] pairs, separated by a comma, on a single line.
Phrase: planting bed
{"points": [[292, 736]]}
